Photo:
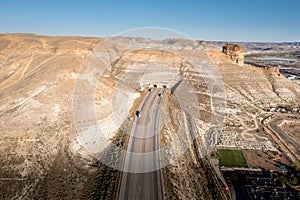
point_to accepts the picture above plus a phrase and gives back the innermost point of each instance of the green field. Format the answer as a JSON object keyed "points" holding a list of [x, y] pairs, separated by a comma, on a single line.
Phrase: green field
{"points": [[231, 158]]}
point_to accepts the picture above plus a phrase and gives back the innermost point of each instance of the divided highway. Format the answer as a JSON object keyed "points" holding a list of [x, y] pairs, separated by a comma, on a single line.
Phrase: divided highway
{"points": [[141, 155]]}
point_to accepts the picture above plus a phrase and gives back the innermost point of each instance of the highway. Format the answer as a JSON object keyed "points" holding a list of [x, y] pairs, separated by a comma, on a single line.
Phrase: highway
{"points": [[141, 155], [291, 145]]}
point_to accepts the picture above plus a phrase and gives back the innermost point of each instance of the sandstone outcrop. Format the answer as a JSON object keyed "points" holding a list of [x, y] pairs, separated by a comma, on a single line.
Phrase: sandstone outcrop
{"points": [[272, 70], [235, 52]]}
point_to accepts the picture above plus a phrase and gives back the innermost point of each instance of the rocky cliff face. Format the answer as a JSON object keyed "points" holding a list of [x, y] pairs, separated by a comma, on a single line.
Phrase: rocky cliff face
{"points": [[272, 71], [235, 52]]}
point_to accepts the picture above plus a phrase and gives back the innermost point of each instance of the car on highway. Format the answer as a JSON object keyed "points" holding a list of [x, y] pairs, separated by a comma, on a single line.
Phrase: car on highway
{"points": [[138, 113]]}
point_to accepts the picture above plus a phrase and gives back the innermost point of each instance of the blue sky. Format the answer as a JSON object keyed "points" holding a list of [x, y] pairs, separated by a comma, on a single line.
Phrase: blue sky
{"points": [[222, 20]]}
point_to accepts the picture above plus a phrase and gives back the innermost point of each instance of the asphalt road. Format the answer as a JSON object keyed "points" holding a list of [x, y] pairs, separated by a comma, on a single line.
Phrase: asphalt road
{"points": [[288, 141], [141, 153]]}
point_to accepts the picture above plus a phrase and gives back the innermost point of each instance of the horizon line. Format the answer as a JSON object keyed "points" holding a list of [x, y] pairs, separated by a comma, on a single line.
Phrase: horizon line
{"points": [[97, 36]]}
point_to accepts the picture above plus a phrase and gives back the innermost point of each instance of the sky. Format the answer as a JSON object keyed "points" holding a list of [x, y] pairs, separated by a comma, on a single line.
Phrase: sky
{"points": [[214, 20]]}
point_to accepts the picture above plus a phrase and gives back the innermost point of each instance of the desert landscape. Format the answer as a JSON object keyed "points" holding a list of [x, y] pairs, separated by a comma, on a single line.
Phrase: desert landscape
{"points": [[68, 107], [149, 100]]}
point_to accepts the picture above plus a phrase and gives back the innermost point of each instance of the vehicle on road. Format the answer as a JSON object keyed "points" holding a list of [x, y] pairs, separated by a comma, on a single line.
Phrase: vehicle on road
{"points": [[138, 113], [147, 183]]}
